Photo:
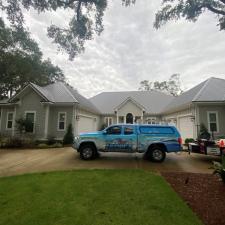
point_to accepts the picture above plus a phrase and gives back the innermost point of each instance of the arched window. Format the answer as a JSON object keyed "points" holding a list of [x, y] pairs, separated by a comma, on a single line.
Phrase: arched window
{"points": [[129, 118]]}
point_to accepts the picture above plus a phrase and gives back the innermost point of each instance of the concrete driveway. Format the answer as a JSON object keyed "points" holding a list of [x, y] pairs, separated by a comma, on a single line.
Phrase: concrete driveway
{"points": [[13, 162]]}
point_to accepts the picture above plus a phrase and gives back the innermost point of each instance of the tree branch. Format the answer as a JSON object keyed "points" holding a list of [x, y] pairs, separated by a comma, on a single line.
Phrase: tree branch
{"points": [[78, 10], [212, 9], [223, 1]]}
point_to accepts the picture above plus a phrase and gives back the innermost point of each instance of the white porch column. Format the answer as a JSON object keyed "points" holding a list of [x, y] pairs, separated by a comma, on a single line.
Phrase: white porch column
{"points": [[117, 117], [74, 121], [142, 117], [14, 122], [46, 121], [124, 119]]}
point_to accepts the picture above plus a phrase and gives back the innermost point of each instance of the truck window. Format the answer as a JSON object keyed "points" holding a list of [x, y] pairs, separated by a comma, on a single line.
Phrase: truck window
{"points": [[156, 130], [128, 130], [114, 130]]}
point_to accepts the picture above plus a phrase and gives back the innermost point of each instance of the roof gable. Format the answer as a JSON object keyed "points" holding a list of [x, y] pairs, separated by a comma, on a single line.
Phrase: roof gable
{"points": [[211, 90], [152, 101], [129, 99]]}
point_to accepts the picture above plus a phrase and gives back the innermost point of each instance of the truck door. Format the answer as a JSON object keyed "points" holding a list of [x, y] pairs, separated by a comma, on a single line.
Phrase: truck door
{"points": [[121, 140]]}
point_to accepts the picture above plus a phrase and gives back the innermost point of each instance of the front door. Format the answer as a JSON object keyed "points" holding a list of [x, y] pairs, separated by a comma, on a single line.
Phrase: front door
{"points": [[129, 118]]}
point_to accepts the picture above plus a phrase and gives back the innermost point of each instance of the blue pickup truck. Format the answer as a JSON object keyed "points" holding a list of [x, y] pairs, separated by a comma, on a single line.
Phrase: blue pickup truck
{"points": [[153, 140]]}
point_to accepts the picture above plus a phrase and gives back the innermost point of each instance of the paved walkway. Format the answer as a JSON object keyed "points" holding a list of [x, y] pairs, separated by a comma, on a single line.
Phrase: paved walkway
{"points": [[13, 162]]}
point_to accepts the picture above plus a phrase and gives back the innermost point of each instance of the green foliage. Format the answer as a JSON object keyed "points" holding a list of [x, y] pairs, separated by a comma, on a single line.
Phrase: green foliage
{"points": [[203, 133], [21, 62], [189, 10], [24, 125], [219, 169], [171, 86], [69, 137], [85, 23], [189, 140]]}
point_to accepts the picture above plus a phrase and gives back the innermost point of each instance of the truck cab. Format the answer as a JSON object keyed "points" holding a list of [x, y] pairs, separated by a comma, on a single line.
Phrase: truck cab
{"points": [[153, 140]]}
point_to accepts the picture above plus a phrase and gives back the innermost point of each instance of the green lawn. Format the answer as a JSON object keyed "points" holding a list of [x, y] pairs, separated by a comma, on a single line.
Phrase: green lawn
{"points": [[93, 197]]}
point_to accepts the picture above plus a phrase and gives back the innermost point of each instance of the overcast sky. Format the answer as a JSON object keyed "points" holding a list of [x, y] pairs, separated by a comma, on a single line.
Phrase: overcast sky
{"points": [[130, 49]]}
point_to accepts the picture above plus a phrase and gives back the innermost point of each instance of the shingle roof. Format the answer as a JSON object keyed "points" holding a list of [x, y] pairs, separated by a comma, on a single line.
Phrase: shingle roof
{"points": [[57, 93], [153, 101], [212, 89], [61, 93], [84, 102]]}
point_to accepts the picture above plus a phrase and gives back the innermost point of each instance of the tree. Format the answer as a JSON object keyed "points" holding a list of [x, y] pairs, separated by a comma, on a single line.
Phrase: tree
{"points": [[21, 62], [172, 86], [68, 138], [189, 10], [87, 20]]}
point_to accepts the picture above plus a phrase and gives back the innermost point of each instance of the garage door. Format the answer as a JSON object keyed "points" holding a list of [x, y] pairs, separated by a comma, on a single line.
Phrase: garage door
{"points": [[86, 124], [186, 127]]}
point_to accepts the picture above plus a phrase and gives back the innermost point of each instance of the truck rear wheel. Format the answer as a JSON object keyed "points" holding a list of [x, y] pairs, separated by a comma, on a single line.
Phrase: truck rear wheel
{"points": [[157, 154], [87, 152]]}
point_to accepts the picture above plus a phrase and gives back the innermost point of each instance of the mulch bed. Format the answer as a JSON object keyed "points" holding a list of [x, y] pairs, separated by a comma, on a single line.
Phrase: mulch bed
{"points": [[204, 193]]}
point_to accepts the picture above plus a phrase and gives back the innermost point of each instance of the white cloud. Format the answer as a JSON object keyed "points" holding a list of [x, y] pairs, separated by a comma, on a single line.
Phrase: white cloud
{"points": [[130, 50]]}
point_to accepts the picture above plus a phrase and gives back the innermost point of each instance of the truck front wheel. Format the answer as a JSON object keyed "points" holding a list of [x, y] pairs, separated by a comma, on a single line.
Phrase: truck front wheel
{"points": [[87, 152], [157, 154]]}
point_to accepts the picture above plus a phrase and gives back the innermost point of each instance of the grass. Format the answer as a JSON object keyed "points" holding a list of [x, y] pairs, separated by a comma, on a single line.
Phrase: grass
{"points": [[91, 197]]}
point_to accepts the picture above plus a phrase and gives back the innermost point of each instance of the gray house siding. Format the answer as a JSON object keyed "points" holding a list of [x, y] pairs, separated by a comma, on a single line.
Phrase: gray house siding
{"points": [[53, 120], [31, 102], [203, 117]]}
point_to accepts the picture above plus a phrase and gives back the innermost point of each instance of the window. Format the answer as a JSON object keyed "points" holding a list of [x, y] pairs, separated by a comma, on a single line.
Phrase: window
{"points": [[156, 130], [61, 121], [108, 121], [121, 119], [213, 122], [116, 130], [151, 120], [128, 130], [9, 124], [30, 118]]}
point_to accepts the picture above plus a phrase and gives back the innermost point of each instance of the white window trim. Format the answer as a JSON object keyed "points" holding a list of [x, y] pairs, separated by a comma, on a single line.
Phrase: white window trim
{"points": [[107, 121], [58, 129], [7, 116], [217, 122], [34, 112]]}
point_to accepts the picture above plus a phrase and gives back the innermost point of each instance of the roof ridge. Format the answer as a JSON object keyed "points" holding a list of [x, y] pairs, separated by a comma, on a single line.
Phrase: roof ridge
{"points": [[68, 91], [201, 90]]}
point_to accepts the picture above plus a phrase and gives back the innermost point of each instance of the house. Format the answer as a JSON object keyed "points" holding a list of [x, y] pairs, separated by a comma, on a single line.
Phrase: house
{"points": [[52, 108]]}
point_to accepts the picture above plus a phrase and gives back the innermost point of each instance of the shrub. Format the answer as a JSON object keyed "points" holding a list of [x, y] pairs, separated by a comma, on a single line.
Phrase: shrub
{"points": [[24, 125], [42, 145], [68, 138], [219, 169], [57, 145], [51, 140], [189, 140], [13, 142], [204, 134]]}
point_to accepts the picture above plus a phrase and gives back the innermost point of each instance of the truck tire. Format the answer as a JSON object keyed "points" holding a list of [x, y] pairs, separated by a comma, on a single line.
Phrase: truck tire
{"points": [[87, 152], [157, 154]]}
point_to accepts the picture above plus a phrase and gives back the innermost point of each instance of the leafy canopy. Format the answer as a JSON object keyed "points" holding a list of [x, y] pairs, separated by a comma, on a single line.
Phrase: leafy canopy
{"points": [[171, 86], [21, 61], [87, 20], [189, 10]]}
